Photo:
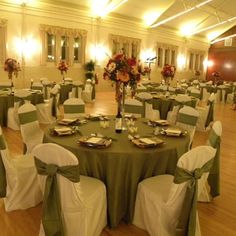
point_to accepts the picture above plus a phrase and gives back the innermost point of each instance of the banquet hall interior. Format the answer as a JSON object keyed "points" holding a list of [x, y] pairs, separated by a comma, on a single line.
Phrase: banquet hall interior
{"points": [[129, 90]]}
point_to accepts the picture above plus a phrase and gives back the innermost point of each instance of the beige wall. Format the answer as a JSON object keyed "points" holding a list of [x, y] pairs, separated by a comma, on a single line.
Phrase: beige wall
{"points": [[26, 21]]}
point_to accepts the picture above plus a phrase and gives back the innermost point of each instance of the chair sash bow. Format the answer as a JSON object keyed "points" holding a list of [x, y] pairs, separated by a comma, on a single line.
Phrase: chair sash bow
{"points": [[51, 219], [187, 220]]}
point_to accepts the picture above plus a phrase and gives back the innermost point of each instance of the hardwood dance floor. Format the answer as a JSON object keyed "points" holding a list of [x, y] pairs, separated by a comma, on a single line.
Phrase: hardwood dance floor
{"points": [[216, 218]]}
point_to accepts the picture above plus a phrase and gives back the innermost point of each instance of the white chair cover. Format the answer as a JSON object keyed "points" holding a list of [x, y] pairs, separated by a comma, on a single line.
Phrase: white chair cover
{"points": [[214, 141], [22, 188], [83, 204], [76, 89], [44, 112], [187, 119], [29, 126], [74, 108], [204, 112], [146, 99], [134, 107], [21, 96], [68, 80], [87, 92], [159, 200]]}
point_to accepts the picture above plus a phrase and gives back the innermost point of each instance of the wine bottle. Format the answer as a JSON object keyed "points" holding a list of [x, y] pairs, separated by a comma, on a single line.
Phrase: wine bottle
{"points": [[118, 123]]}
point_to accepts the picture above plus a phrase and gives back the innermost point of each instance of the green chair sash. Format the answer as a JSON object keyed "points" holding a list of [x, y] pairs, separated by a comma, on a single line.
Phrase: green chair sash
{"points": [[3, 179], [28, 117], [70, 109], [54, 104], [51, 219], [196, 95], [187, 119], [187, 221], [210, 116], [35, 87], [214, 177], [134, 109]]}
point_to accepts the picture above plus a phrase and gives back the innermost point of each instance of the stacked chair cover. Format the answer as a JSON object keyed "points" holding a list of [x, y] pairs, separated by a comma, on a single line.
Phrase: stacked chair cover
{"points": [[212, 188], [29, 126], [20, 97], [18, 180], [187, 119], [72, 204], [166, 205], [74, 108], [134, 107]]}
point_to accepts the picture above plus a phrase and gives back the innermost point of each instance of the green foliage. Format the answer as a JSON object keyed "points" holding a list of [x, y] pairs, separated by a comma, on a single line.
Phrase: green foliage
{"points": [[89, 66]]}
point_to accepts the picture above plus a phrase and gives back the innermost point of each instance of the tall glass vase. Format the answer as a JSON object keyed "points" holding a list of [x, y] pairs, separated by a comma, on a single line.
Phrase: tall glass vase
{"points": [[120, 98]]}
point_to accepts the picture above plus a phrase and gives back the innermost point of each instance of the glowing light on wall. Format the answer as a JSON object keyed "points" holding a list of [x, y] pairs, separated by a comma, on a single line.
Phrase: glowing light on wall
{"points": [[99, 53], [208, 63], [181, 61], [228, 65], [26, 47]]}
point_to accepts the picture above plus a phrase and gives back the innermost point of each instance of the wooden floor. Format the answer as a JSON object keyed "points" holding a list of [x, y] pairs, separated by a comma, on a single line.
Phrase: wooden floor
{"points": [[216, 218]]}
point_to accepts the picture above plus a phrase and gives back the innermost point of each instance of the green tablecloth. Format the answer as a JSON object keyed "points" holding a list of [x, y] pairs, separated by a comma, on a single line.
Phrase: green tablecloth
{"points": [[166, 104], [122, 165], [7, 101]]}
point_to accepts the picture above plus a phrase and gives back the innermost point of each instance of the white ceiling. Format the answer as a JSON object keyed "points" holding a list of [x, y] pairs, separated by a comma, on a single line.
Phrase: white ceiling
{"points": [[212, 13]]}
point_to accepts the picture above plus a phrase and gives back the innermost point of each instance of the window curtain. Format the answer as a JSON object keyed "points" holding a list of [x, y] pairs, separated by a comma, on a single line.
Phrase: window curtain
{"points": [[3, 30]]}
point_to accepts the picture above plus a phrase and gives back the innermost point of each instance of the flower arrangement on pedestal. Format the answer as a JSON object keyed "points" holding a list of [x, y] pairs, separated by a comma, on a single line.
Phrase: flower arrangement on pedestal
{"points": [[12, 67], [168, 72], [216, 76], [123, 72], [63, 67]]}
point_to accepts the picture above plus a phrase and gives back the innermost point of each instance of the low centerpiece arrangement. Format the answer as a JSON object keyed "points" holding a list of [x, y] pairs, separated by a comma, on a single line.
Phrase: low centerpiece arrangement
{"points": [[12, 67], [63, 67], [168, 72]]}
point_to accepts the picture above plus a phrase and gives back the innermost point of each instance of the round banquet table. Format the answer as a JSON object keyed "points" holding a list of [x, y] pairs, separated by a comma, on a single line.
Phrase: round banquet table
{"points": [[122, 165]]}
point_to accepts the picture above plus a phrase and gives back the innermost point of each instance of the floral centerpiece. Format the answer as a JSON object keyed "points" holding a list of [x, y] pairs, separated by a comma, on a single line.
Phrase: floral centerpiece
{"points": [[215, 74], [62, 67], [168, 72], [12, 67], [123, 72]]}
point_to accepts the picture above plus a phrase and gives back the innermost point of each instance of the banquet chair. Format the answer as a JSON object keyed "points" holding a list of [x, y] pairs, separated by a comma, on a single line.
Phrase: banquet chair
{"points": [[18, 180], [212, 187], [37, 86], [134, 107], [29, 126], [46, 87], [80, 201], [87, 92], [172, 114], [68, 80], [77, 87], [149, 112], [48, 111], [74, 108], [165, 204], [21, 96], [187, 119], [206, 114]]}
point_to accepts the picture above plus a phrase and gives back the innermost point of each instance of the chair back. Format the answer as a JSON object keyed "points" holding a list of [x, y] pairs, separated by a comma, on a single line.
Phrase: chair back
{"points": [[187, 119], [190, 177], [182, 98], [70, 195], [135, 107], [74, 108]]}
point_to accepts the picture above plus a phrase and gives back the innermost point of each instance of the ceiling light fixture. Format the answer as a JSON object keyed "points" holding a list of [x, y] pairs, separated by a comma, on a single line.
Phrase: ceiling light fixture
{"points": [[213, 26], [224, 38], [180, 14]]}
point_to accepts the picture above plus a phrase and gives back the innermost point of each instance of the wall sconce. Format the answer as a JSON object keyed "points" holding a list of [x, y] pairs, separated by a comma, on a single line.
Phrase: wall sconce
{"points": [[98, 52], [181, 61]]}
